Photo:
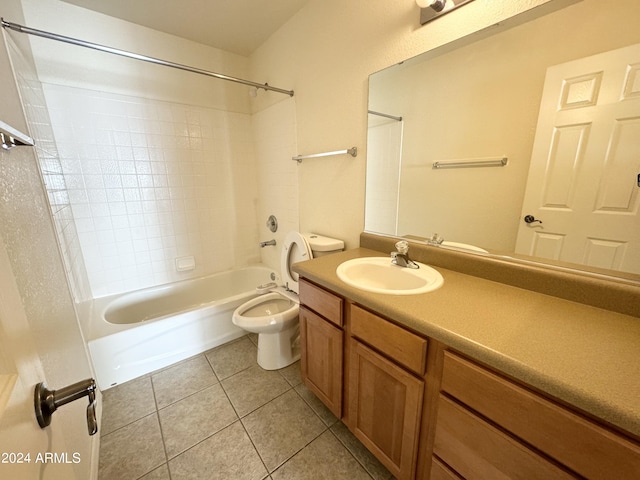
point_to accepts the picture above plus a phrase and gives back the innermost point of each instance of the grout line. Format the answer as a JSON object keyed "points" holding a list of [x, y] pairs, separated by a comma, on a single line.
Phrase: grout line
{"points": [[239, 418], [164, 445], [346, 447]]}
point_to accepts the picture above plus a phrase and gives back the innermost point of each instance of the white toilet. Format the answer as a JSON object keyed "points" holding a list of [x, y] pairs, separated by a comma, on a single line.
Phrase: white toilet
{"points": [[274, 315]]}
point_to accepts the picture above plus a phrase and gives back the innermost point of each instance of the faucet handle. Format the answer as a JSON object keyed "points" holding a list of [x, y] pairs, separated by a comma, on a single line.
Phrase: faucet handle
{"points": [[402, 247], [436, 239]]}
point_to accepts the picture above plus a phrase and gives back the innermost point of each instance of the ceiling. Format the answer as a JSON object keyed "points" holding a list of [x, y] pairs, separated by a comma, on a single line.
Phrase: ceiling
{"points": [[237, 26]]}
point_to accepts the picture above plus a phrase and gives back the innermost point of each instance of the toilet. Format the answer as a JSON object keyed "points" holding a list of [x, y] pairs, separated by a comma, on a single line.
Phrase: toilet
{"points": [[274, 315]]}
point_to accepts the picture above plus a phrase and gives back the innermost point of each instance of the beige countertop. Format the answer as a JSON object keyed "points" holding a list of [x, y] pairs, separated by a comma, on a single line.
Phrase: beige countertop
{"points": [[583, 355]]}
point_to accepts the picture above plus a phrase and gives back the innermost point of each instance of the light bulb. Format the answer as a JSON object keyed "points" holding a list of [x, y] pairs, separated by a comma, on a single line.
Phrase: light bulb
{"points": [[437, 5]]}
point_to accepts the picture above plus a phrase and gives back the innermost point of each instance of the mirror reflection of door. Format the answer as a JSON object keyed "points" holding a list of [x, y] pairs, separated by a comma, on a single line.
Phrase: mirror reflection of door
{"points": [[583, 178]]}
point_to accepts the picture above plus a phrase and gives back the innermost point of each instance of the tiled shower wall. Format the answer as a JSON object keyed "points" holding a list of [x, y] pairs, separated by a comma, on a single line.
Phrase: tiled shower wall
{"points": [[35, 107], [151, 182]]}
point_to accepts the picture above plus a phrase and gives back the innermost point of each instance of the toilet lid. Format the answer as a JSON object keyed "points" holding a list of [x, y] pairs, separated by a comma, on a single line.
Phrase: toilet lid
{"points": [[296, 249]]}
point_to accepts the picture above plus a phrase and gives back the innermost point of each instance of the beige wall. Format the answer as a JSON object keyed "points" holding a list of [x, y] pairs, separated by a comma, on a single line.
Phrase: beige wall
{"points": [[326, 53], [481, 101]]}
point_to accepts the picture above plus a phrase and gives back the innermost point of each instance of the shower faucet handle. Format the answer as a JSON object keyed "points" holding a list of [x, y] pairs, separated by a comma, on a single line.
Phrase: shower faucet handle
{"points": [[48, 401]]}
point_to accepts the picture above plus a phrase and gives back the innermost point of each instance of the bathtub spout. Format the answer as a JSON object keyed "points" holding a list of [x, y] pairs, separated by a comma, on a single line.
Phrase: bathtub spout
{"points": [[270, 242]]}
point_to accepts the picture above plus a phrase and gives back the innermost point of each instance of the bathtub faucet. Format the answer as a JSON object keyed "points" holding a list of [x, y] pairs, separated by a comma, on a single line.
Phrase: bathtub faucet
{"points": [[270, 242]]}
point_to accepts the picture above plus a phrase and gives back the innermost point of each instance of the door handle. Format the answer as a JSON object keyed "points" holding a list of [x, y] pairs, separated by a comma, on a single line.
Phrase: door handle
{"points": [[531, 219], [48, 401]]}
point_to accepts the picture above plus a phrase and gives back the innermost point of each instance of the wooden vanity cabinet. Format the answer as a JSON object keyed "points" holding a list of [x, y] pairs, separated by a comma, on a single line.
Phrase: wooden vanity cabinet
{"points": [[321, 344], [489, 427], [386, 389], [434, 414]]}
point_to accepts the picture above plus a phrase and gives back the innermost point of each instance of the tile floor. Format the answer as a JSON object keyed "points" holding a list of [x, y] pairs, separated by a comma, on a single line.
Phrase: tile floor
{"points": [[218, 415]]}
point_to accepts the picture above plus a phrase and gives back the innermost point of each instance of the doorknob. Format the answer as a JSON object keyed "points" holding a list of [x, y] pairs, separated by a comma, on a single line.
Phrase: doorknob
{"points": [[531, 219], [48, 401]]}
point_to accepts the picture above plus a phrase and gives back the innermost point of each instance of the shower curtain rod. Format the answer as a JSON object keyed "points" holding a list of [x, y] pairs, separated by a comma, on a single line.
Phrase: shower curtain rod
{"points": [[124, 53]]}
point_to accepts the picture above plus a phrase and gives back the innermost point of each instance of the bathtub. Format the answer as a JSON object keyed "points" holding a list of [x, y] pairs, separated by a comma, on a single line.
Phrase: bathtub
{"points": [[135, 333]]}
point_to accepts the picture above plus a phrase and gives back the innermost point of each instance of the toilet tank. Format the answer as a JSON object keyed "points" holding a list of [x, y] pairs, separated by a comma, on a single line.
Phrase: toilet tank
{"points": [[321, 245]]}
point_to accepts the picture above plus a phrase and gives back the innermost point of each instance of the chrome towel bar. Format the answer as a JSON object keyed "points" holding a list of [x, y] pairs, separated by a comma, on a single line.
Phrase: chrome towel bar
{"points": [[501, 162], [10, 137], [353, 151]]}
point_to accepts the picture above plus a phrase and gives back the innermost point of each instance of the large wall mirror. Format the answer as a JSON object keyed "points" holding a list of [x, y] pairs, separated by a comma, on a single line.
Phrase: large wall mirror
{"points": [[540, 119]]}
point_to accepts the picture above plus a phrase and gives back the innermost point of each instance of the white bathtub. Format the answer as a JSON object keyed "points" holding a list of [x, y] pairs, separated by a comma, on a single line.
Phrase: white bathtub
{"points": [[135, 333]]}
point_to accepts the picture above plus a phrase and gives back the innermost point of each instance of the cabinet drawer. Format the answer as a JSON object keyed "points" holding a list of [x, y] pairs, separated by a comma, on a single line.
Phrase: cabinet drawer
{"points": [[582, 445], [403, 346], [439, 471], [321, 301], [476, 449]]}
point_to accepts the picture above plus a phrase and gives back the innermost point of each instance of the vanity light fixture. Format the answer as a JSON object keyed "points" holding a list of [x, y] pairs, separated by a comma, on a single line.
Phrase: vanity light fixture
{"points": [[437, 5], [432, 9]]}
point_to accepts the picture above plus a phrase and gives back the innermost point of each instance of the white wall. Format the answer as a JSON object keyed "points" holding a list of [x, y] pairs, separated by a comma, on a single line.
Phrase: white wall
{"points": [[274, 130], [63, 64], [325, 53], [158, 163]]}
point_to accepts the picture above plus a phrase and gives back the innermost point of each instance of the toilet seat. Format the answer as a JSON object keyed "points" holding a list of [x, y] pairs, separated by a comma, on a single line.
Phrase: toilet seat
{"points": [[274, 316], [267, 313], [296, 249]]}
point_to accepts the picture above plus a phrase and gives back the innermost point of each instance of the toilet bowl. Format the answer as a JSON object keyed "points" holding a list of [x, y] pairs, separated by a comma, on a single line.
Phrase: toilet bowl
{"points": [[274, 315]]}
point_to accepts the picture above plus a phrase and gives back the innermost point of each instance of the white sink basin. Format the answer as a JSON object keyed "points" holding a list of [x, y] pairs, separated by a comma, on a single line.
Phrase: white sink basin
{"points": [[464, 246], [379, 275]]}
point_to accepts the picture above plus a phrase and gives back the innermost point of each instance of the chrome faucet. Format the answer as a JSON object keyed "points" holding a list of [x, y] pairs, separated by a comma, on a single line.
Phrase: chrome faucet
{"points": [[436, 239], [268, 243], [401, 256]]}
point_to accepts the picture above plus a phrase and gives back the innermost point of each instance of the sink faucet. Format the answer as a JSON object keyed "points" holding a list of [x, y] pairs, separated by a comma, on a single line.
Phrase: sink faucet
{"points": [[401, 256], [436, 239]]}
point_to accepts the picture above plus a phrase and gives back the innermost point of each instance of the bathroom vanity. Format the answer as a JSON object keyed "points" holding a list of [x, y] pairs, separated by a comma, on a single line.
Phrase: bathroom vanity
{"points": [[478, 379]]}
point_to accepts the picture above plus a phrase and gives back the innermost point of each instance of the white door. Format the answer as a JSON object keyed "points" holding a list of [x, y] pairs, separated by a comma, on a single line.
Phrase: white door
{"points": [[583, 181], [26, 451], [40, 340]]}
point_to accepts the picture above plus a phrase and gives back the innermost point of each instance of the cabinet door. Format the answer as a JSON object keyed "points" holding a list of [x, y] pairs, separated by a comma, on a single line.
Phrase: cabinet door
{"points": [[385, 405], [321, 359]]}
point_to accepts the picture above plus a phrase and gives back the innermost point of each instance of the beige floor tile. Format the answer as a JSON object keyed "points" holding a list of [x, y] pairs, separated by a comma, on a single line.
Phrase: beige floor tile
{"points": [[292, 374], [281, 428], [316, 405], [370, 463], [195, 418], [181, 380], [323, 459], [226, 455], [126, 403], [253, 387], [198, 417], [160, 473], [131, 451], [233, 357]]}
